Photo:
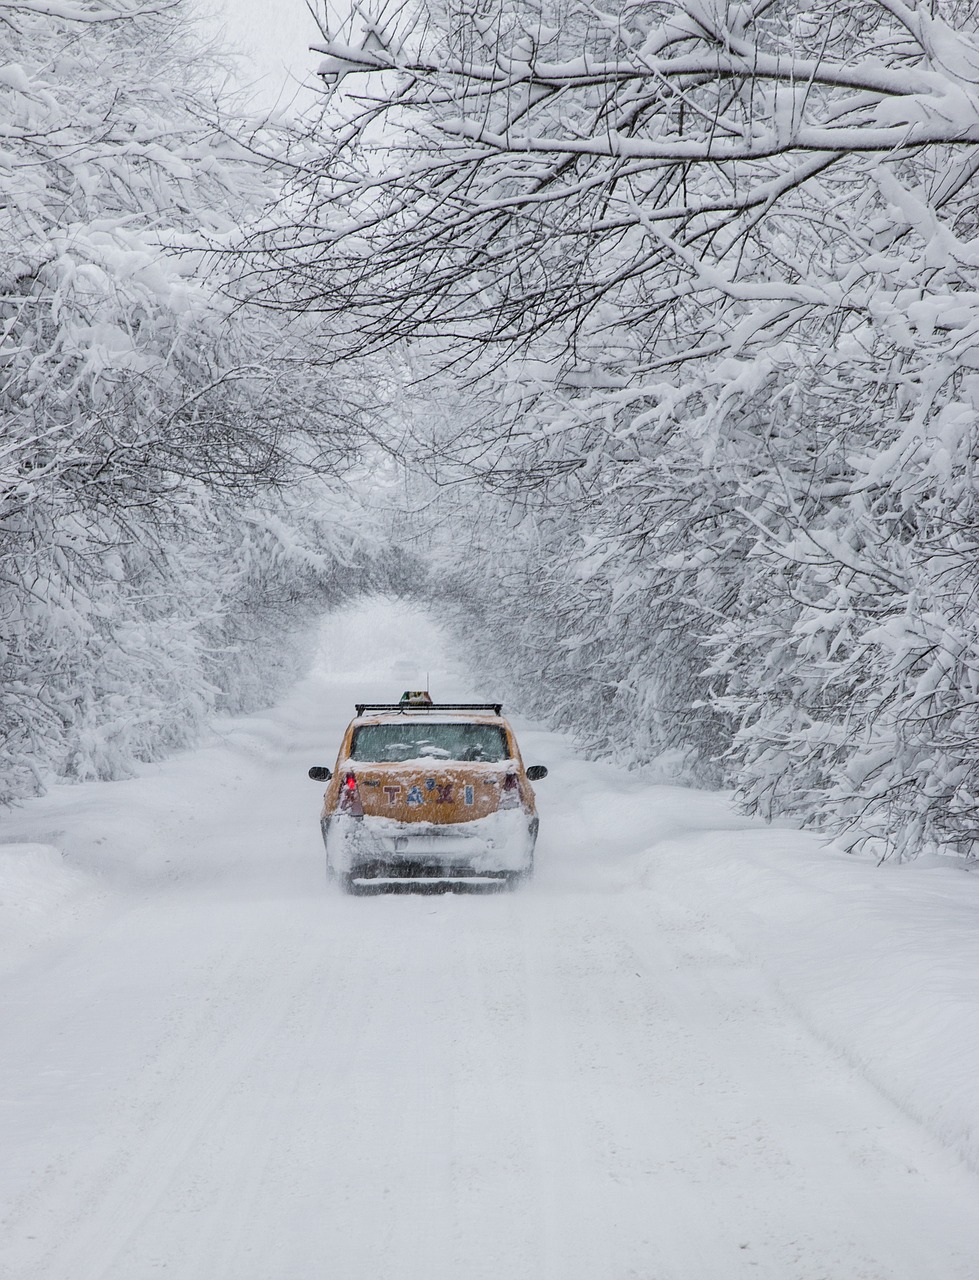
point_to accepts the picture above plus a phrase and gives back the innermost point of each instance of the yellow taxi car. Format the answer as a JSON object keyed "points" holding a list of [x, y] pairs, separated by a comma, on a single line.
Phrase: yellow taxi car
{"points": [[427, 791]]}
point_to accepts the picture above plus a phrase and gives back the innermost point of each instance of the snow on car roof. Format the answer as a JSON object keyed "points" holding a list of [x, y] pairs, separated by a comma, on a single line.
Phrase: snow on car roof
{"points": [[428, 717], [422, 702]]}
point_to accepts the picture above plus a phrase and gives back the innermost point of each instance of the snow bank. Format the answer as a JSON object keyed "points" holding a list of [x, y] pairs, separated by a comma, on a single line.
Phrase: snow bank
{"points": [[40, 897], [882, 963]]}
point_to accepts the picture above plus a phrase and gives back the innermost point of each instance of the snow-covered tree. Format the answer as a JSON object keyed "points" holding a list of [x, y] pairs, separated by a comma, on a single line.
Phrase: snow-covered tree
{"points": [[713, 268], [150, 432]]}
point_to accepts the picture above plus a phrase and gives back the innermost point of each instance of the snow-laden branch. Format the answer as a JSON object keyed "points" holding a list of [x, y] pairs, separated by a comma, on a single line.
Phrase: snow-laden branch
{"points": [[94, 12]]}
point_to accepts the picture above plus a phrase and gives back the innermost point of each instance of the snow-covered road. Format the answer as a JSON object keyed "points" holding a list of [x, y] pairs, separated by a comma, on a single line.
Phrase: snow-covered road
{"points": [[215, 1068]]}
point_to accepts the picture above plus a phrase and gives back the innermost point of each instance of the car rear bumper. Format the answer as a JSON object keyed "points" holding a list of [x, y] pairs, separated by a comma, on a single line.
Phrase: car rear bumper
{"points": [[497, 845]]}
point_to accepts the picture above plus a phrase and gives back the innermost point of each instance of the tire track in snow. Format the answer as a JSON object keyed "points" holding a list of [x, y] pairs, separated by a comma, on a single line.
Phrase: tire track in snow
{"points": [[161, 1110]]}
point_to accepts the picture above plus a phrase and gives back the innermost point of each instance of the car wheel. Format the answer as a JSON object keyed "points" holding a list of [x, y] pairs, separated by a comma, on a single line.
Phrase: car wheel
{"points": [[515, 879], [342, 880]]}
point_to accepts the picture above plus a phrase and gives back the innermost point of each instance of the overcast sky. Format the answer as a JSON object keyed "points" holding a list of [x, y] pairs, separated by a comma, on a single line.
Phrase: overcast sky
{"points": [[273, 38]]}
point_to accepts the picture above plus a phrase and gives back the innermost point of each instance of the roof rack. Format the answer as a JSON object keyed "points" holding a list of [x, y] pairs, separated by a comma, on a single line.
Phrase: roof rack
{"points": [[494, 707]]}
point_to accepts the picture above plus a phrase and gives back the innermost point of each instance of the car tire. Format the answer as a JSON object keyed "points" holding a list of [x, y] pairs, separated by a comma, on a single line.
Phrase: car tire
{"points": [[341, 880], [515, 879]]}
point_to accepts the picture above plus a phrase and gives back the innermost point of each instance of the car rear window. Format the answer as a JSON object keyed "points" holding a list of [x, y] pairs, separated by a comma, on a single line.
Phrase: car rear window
{"points": [[415, 741]]}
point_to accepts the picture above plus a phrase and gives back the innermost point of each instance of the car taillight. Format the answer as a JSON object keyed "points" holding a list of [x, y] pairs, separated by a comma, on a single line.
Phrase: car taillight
{"points": [[510, 792], [349, 802]]}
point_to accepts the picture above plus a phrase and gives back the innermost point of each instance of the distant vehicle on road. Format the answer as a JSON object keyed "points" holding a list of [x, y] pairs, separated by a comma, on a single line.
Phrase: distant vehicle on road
{"points": [[428, 792]]}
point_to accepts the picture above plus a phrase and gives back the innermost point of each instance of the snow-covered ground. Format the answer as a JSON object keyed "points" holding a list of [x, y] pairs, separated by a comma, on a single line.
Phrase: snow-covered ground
{"points": [[695, 1048]]}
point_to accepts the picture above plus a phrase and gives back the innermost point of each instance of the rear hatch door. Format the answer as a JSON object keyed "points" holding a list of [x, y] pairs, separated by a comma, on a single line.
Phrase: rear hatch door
{"points": [[430, 792]]}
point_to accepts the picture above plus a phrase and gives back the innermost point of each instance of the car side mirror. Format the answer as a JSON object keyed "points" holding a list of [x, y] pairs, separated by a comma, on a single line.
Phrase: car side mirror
{"points": [[320, 773], [536, 771]]}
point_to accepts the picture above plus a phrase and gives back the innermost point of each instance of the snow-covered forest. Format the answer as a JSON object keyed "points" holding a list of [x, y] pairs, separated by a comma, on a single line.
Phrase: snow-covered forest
{"points": [[665, 314], [616, 361], [172, 509]]}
